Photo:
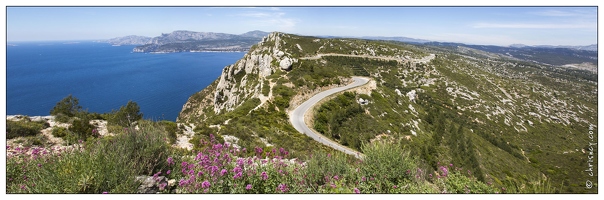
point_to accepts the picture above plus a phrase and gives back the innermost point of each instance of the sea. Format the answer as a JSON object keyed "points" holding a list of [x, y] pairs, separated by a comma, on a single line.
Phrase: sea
{"points": [[104, 77]]}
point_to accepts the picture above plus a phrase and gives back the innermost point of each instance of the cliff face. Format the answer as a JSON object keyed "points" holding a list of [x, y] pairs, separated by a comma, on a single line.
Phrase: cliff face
{"points": [[241, 81], [180, 41], [129, 40]]}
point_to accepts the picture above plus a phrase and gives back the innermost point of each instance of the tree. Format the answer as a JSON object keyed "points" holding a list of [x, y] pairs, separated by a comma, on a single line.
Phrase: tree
{"points": [[126, 114], [67, 106]]}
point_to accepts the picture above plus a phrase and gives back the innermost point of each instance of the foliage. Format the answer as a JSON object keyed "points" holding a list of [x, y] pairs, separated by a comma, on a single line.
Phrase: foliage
{"points": [[126, 115], [67, 107], [23, 128], [102, 165], [171, 130]]}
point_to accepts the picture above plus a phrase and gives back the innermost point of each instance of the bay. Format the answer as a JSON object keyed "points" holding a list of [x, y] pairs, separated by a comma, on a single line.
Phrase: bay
{"points": [[105, 77]]}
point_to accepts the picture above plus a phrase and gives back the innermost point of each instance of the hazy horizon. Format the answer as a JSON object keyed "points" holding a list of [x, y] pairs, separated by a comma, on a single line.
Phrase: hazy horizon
{"points": [[502, 26]]}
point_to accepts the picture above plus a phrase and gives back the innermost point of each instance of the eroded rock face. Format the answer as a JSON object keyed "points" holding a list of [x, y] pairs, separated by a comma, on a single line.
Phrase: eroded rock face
{"points": [[243, 80]]}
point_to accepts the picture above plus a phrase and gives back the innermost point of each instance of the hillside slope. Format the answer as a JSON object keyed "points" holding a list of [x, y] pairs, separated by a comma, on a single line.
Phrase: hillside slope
{"points": [[507, 121]]}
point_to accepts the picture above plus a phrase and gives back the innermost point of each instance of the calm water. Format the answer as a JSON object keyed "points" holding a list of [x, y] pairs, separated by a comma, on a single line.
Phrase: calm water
{"points": [[105, 77]]}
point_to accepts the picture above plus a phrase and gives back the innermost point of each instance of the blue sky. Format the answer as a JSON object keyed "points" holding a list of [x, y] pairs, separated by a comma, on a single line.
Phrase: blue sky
{"points": [[472, 25]]}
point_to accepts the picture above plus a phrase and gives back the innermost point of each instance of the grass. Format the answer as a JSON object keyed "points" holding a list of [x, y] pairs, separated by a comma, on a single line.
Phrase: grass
{"points": [[101, 165]]}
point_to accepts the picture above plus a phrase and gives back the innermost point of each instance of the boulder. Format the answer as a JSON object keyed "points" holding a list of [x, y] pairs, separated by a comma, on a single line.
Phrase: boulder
{"points": [[286, 63], [150, 184]]}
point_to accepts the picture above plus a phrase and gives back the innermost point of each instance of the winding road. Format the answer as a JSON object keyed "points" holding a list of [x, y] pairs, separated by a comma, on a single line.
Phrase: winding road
{"points": [[297, 117]]}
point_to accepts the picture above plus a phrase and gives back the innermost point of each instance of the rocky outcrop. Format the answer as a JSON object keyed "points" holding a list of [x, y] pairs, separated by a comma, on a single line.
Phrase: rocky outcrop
{"points": [[243, 80]]}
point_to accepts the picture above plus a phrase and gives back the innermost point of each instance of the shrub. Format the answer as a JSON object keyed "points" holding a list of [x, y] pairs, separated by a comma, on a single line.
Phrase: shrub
{"points": [[388, 163], [171, 130], [22, 128], [59, 131], [126, 115], [107, 165], [68, 107]]}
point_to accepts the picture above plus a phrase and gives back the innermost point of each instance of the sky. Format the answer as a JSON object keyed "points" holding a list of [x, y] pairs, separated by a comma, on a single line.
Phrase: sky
{"points": [[471, 25]]}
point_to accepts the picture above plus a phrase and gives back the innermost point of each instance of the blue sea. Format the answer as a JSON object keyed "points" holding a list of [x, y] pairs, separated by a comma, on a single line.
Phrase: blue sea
{"points": [[104, 77]]}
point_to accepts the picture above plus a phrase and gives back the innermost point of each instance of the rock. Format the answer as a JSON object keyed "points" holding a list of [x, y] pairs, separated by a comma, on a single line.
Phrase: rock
{"points": [[279, 54], [285, 64], [363, 101], [412, 95], [150, 184]]}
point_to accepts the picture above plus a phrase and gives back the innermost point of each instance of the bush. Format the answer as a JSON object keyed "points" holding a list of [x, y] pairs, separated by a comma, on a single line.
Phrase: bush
{"points": [[171, 129], [82, 128], [68, 106], [22, 128], [107, 165], [126, 115], [59, 131], [388, 163], [323, 164]]}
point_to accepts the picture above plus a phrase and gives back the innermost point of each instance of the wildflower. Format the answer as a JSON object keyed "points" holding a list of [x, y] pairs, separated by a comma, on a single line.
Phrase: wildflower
{"points": [[168, 172], [363, 179], [238, 175], [394, 187], [248, 187], [237, 169], [357, 191], [283, 188], [205, 184], [223, 172], [444, 170], [39, 165], [430, 175], [333, 185], [105, 192], [451, 165], [162, 186], [264, 176], [170, 161], [336, 177]]}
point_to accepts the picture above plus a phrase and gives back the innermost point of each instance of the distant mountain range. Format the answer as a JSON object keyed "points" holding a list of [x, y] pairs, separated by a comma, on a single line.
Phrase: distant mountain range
{"points": [[185, 41], [592, 47], [128, 40]]}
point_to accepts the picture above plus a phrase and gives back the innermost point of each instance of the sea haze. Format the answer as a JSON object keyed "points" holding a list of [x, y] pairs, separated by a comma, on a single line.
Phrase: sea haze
{"points": [[105, 77]]}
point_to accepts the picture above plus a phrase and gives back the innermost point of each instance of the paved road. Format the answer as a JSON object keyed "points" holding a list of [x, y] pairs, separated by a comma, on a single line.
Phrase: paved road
{"points": [[297, 117]]}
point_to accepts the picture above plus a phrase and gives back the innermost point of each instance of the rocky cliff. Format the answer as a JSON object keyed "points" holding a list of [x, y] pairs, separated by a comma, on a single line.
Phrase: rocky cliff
{"points": [[181, 41], [242, 80], [129, 40]]}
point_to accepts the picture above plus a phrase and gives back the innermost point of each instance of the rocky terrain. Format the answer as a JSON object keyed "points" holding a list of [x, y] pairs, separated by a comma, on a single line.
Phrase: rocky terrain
{"points": [[516, 117]]}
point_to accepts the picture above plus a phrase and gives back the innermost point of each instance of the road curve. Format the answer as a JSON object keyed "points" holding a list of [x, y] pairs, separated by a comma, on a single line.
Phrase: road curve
{"points": [[297, 117]]}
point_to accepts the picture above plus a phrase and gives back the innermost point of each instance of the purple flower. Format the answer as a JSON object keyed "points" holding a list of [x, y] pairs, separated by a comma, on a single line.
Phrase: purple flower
{"points": [[248, 187], [223, 172], [205, 184], [283, 188], [444, 170], [394, 187], [363, 178], [238, 175], [451, 165], [170, 161], [39, 165], [168, 172], [105, 192], [264, 176], [237, 169], [356, 191], [336, 177]]}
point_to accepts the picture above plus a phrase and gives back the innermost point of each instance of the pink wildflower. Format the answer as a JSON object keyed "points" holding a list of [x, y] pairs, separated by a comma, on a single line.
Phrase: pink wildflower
{"points": [[248, 187], [357, 191], [264, 176]]}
